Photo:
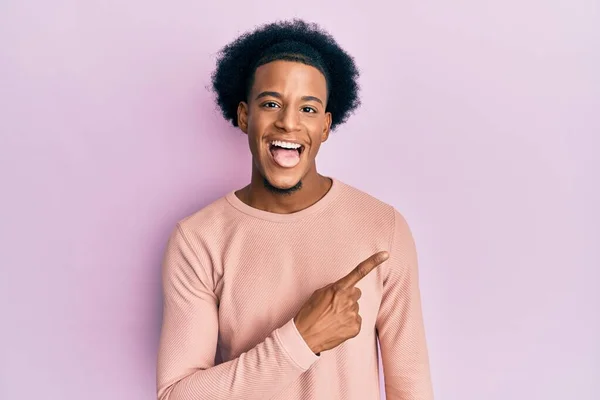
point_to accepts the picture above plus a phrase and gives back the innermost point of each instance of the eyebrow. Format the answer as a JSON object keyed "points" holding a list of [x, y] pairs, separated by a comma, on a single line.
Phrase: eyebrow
{"points": [[279, 96]]}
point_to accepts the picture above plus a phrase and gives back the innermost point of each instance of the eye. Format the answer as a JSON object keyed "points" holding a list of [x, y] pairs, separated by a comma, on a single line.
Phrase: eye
{"points": [[270, 104], [309, 110]]}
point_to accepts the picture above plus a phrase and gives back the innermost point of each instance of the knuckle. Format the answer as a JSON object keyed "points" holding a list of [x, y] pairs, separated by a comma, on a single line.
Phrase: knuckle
{"points": [[336, 287], [362, 270], [337, 297]]}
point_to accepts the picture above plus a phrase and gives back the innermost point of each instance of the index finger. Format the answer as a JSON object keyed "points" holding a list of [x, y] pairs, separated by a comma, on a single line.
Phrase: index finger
{"points": [[362, 270]]}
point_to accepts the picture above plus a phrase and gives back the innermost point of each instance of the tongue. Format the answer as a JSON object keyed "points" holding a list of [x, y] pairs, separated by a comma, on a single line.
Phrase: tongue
{"points": [[286, 158]]}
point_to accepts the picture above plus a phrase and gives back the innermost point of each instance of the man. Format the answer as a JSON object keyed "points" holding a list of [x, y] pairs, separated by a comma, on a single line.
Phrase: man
{"points": [[295, 276]]}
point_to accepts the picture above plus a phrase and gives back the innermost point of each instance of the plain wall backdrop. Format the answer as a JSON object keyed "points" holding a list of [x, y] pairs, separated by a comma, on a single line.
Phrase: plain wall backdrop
{"points": [[480, 123]]}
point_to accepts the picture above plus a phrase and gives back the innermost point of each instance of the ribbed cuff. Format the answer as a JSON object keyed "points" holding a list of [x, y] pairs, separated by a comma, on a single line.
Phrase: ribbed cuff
{"points": [[295, 346]]}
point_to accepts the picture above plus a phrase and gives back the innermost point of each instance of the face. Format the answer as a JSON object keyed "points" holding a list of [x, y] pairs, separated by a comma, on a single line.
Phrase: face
{"points": [[286, 104]]}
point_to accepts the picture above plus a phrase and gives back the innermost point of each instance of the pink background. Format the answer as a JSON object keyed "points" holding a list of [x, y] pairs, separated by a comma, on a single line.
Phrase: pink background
{"points": [[480, 124]]}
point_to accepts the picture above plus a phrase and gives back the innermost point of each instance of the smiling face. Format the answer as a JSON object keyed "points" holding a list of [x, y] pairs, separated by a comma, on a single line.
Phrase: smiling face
{"points": [[285, 108]]}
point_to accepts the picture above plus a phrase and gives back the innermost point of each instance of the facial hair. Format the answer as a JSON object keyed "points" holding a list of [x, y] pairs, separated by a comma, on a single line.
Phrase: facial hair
{"points": [[283, 192]]}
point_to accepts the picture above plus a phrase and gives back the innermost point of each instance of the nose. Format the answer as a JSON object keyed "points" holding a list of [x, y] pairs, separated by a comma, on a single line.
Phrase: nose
{"points": [[288, 119]]}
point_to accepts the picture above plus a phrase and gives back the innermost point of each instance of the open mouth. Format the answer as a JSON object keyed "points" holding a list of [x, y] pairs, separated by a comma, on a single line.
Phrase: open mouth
{"points": [[275, 147], [286, 154]]}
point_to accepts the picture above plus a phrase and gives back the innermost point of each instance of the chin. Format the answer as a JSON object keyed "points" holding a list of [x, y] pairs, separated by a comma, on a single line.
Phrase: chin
{"points": [[282, 185], [283, 182]]}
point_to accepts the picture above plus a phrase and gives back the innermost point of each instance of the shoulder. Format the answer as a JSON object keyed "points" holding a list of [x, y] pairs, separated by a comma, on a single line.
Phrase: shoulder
{"points": [[366, 206], [371, 210], [207, 224]]}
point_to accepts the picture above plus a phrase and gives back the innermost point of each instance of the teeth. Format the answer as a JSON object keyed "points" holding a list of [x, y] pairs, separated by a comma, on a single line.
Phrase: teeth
{"points": [[286, 145]]}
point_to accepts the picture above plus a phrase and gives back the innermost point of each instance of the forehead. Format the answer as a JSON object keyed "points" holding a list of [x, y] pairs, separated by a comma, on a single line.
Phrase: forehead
{"points": [[289, 78]]}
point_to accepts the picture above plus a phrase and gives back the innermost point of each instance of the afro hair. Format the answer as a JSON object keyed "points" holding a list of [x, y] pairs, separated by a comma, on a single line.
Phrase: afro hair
{"points": [[294, 40]]}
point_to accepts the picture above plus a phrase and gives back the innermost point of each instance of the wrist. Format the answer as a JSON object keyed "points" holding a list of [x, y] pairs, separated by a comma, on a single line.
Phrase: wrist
{"points": [[313, 347]]}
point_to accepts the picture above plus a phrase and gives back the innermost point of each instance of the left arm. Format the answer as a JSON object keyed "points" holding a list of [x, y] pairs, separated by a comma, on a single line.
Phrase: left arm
{"points": [[399, 323]]}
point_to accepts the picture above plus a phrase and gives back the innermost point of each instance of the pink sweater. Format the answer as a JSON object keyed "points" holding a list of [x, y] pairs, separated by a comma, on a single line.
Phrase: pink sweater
{"points": [[235, 276]]}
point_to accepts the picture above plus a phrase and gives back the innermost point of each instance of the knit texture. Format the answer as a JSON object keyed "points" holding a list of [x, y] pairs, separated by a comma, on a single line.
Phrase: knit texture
{"points": [[235, 276]]}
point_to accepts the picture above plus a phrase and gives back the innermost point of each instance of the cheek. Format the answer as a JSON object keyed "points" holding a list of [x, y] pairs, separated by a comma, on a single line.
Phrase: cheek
{"points": [[315, 146], [258, 119], [256, 127]]}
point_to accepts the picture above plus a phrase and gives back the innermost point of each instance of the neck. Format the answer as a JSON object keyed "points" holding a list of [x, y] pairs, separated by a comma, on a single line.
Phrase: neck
{"points": [[256, 195]]}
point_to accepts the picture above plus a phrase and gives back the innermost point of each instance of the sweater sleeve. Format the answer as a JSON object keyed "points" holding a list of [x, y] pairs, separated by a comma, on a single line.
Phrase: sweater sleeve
{"points": [[399, 323], [186, 367]]}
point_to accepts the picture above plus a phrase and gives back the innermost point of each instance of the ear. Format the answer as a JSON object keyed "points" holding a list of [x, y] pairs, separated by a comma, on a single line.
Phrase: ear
{"points": [[326, 127], [242, 116]]}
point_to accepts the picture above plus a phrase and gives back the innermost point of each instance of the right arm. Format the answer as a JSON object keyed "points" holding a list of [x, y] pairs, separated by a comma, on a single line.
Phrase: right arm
{"points": [[188, 340]]}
